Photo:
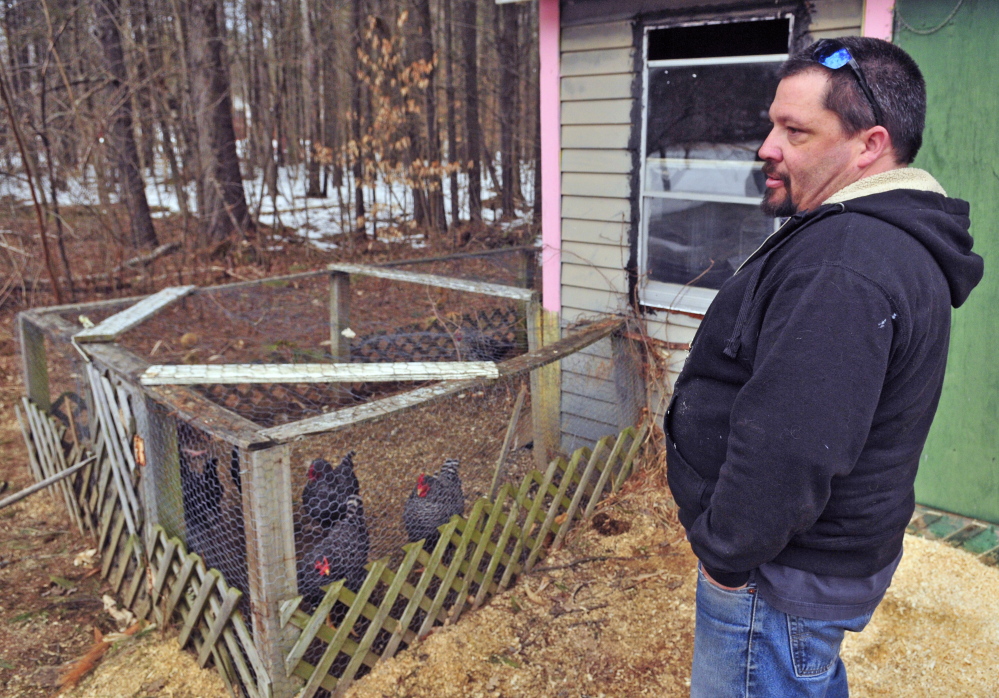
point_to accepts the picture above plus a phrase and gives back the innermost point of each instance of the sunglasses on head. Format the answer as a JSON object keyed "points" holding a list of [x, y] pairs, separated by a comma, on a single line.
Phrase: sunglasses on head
{"points": [[832, 54]]}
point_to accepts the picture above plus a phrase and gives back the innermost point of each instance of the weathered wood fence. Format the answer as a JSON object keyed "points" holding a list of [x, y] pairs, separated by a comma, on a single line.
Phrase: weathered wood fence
{"points": [[475, 558]]}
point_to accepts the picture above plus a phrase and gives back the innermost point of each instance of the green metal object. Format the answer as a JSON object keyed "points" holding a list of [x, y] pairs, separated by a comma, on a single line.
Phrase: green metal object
{"points": [[959, 471]]}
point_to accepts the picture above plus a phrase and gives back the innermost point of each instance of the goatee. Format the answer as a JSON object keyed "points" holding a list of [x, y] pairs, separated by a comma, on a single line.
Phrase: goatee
{"points": [[771, 207]]}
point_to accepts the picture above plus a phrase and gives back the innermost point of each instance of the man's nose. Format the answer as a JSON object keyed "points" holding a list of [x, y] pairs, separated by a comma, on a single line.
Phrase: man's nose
{"points": [[769, 151]]}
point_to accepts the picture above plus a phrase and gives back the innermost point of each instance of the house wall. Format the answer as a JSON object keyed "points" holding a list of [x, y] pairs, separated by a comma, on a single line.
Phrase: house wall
{"points": [[958, 471], [600, 118]]}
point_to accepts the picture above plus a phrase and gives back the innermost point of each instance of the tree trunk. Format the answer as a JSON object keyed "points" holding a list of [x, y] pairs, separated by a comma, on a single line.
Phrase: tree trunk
{"points": [[467, 10], [507, 112], [452, 138], [311, 91], [125, 152], [424, 45], [223, 207], [357, 19]]}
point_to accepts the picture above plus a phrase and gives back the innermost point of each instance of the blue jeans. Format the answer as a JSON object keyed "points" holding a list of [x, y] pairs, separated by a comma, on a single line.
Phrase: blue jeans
{"points": [[745, 648]]}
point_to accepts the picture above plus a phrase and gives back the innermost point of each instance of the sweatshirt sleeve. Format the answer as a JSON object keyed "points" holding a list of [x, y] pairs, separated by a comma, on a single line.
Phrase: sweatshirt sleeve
{"points": [[800, 421]]}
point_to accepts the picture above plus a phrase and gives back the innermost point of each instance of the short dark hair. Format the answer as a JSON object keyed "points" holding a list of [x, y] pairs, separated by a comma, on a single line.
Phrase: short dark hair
{"points": [[893, 77]]}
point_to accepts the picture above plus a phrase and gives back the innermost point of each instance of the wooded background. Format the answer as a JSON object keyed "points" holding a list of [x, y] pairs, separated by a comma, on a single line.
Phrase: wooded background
{"points": [[199, 95]]}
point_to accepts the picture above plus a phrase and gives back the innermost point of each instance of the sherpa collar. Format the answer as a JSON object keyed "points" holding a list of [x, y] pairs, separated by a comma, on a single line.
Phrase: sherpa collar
{"points": [[902, 178]]}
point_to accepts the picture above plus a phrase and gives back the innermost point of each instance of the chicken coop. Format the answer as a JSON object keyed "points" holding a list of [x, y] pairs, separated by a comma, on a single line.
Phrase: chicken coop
{"points": [[307, 472]]}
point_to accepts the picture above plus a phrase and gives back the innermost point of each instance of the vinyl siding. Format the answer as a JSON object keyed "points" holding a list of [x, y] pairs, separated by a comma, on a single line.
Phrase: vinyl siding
{"points": [[597, 69]]}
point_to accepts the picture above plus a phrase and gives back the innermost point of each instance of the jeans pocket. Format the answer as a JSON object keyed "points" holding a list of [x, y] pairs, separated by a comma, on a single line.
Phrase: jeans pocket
{"points": [[815, 643]]}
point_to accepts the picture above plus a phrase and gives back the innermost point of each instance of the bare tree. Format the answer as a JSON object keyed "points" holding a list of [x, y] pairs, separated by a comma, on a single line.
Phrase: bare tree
{"points": [[467, 19], [452, 130], [508, 107], [223, 207], [431, 147], [123, 147]]}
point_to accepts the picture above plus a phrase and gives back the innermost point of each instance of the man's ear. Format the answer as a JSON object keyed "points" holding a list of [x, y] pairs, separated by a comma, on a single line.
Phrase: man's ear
{"points": [[875, 145]]}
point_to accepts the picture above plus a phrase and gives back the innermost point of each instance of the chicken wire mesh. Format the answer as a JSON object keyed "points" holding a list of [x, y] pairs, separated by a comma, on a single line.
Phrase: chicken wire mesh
{"points": [[397, 457], [68, 391], [290, 321]]}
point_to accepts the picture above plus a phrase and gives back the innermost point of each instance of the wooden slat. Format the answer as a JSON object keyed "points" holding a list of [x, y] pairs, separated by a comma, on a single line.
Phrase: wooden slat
{"points": [[532, 514], [112, 548], [378, 621], [553, 510], [197, 607], [599, 450], [138, 577], [124, 559], [626, 464], [121, 419], [119, 323], [232, 597], [419, 592], [339, 316], [476, 560], [59, 465], [511, 292], [222, 661], [270, 555], [180, 584], [362, 413], [504, 537], [393, 405], [342, 633], [200, 374], [169, 548], [607, 470], [119, 469], [452, 570], [33, 359], [188, 404], [319, 616], [42, 446], [29, 442]]}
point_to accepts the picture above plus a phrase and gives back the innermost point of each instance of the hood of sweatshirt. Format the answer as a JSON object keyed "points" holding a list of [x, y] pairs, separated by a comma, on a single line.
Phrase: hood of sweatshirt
{"points": [[909, 199], [912, 200]]}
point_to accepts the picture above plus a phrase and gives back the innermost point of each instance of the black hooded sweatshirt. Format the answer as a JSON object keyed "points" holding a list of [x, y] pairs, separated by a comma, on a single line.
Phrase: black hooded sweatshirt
{"points": [[796, 425]]}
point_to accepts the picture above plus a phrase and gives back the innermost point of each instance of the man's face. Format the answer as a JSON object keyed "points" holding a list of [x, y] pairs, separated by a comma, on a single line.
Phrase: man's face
{"points": [[808, 155]]}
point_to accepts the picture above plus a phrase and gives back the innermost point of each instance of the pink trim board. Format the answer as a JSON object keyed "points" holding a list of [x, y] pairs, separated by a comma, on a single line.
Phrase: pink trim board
{"points": [[879, 16], [551, 152]]}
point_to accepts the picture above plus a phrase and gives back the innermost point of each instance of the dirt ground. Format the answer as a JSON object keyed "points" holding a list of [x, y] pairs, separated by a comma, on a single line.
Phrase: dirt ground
{"points": [[611, 614]]}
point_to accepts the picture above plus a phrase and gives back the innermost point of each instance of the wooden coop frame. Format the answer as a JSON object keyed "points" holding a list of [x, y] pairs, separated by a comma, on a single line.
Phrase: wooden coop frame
{"points": [[114, 494]]}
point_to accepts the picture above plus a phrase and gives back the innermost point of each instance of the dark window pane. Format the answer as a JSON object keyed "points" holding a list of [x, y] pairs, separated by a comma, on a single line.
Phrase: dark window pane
{"points": [[701, 243], [693, 111], [709, 40]]}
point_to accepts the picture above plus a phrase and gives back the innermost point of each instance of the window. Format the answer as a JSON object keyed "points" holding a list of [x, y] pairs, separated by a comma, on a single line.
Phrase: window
{"points": [[707, 92]]}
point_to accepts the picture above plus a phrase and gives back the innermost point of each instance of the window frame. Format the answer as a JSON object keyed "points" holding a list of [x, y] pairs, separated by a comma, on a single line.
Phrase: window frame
{"points": [[661, 294]]}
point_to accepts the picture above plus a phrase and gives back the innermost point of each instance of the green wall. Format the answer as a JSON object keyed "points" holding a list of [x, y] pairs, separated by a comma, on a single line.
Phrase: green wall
{"points": [[959, 471]]}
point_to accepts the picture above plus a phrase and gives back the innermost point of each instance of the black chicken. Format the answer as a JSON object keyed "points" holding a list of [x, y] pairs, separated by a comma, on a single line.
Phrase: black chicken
{"points": [[324, 498], [432, 503], [202, 493], [341, 553]]}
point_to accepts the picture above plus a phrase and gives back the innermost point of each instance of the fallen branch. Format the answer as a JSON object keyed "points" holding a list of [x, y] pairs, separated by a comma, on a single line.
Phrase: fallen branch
{"points": [[160, 251]]}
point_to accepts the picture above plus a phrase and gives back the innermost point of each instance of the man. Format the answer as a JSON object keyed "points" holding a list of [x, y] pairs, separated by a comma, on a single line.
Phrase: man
{"points": [[795, 428]]}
